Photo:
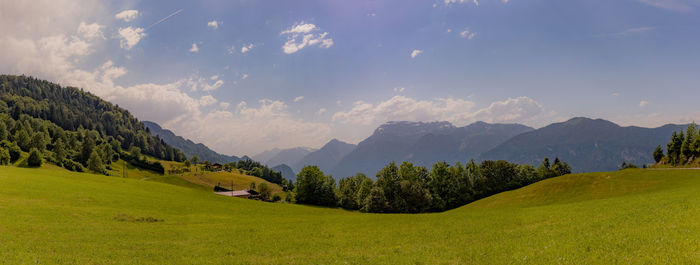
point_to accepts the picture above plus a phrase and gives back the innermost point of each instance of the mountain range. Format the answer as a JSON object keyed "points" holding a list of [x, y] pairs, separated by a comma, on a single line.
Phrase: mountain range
{"points": [[188, 147], [586, 144], [423, 143]]}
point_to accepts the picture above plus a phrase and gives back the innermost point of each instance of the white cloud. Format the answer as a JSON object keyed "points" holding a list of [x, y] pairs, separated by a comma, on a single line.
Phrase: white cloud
{"points": [[415, 53], [130, 37], [629, 32], [457, 111], [467, 34], [207, 100], [399, 89], [194, 47], [643, 103], [199, 83], [402, 108], [321, 111], [301, 36], [673, 5], [300, 28], [90, 31], [247, 48], [299, 98], [127, 15], [224, 105], [213, 24], [244, 76], [214, 77], [214, 86], [448, 30], [231, 49], [42, 45], [448, 2], [615, 94], [520, 109]]}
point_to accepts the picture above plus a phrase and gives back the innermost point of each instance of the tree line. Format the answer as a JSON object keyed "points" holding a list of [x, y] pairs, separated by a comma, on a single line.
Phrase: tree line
{"points": [[408, 188], [72, 109], [72, 128], [683, 148]]}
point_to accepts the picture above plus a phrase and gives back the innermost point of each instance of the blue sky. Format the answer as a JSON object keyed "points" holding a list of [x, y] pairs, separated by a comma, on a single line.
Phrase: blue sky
{"points": [[245, 76]]}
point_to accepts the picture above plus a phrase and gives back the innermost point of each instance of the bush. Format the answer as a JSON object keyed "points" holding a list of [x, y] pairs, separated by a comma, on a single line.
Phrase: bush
{"points": [[12, 148], [4, 156], [34, 159], [72, 165], [265, 191], [276, 198]]}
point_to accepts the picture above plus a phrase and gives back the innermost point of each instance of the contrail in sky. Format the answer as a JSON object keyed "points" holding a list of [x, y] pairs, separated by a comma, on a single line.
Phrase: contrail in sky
{"points": [[163, 19]]}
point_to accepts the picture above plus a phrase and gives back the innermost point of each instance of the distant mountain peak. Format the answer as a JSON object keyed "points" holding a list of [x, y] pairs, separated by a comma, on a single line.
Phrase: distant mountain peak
{"points": [[188, 147], [584, 121]]}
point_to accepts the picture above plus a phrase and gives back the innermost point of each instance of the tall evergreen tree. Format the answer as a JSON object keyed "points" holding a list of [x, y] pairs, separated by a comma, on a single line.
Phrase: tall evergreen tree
{"points": [[658, 154]]}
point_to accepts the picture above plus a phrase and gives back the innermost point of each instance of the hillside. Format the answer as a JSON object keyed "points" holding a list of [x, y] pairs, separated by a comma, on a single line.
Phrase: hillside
{"points": [[286, 171], [424, 144], [74, 110], [188, 147], [635, 216], [290, 156], [327, 157], [589, 145]]}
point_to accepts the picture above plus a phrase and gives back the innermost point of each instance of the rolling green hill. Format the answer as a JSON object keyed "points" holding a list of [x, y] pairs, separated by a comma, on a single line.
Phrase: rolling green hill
{"points": [[51, 216]]}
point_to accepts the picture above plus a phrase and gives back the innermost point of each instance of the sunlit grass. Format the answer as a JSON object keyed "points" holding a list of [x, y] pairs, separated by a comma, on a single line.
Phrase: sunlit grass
{"points": [[635, 216]]}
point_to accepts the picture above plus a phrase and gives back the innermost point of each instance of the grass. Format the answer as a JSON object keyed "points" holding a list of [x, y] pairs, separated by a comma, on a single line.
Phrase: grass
{"points": [[199, 179], [52, 216]]}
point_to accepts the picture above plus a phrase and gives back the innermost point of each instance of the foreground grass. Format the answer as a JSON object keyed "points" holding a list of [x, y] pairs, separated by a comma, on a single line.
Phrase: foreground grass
{"points": [[634, 216]]}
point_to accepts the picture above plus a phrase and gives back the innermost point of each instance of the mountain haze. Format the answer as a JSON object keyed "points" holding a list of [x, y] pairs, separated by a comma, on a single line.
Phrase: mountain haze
{"points": [[327, 157], [286, 171], [424, 143], [290, 156], [586, 144], [188, 147]]}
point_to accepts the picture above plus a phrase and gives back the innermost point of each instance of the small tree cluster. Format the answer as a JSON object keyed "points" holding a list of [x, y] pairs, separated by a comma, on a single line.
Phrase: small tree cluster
{"points": [[683, 148], [414, 189]]}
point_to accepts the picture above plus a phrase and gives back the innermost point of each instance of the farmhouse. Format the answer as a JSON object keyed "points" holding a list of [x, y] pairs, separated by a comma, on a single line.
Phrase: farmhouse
{"points": [[235, 193]]}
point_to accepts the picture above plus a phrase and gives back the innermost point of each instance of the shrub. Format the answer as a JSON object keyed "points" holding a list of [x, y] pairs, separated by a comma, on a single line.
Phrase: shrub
{"points": [[72, 165], [14, 150], [34, 159], [265, 191], [276, 198], [4, 156]]}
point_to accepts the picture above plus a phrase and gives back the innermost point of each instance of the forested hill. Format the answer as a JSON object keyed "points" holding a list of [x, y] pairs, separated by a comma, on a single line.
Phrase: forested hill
{"points": [[188, 147], [589, 145], [73, 109]]}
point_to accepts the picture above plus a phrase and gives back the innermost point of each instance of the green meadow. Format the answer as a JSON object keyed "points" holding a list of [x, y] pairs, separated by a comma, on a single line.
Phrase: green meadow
{"points": [[53, 216]]}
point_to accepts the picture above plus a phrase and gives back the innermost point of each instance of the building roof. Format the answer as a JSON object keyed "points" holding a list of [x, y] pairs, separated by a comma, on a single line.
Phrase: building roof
{"points": [[234, 193]]}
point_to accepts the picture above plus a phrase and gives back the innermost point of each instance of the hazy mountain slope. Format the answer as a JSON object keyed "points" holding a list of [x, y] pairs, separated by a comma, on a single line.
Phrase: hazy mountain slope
{"points": [[266, 155], [188, 147], [424, 144], [586, 144], [286, 171], [289, 156], [327, 157]]}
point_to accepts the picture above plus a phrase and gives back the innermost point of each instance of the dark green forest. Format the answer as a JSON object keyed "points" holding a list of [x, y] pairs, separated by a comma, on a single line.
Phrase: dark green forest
{"points": [[408, 188], [682, 149], [73, 128]]}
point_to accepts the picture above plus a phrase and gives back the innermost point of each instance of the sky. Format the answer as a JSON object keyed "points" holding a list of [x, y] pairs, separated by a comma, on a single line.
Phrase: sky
{"points": [[247, 76]]}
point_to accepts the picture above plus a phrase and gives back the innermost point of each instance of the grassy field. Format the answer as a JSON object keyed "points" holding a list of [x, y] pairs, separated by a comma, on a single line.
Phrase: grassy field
{"points": [[199, 179], [50, 216]]}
